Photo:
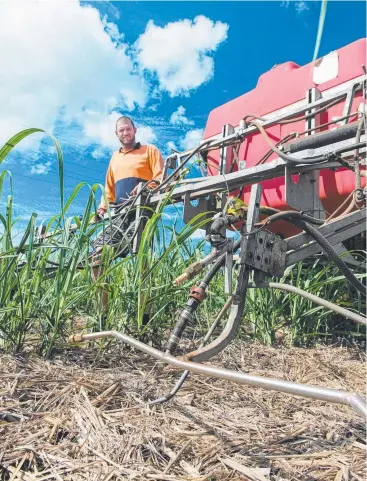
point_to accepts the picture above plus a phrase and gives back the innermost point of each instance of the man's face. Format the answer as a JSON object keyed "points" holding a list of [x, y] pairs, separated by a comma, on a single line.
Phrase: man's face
{"points": [[125, 132]]}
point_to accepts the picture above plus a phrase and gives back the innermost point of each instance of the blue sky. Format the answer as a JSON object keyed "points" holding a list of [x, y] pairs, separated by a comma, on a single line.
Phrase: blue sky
{"points": [[73, 67]]}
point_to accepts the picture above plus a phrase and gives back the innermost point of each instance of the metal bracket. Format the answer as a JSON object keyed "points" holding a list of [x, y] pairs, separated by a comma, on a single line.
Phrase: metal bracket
{"points": [[170, 163], [302, 245], [228, 269], [312, 96], [304, 195], [348, 103], [204, 205], [252, 217], [226, 153], [267, 253]]}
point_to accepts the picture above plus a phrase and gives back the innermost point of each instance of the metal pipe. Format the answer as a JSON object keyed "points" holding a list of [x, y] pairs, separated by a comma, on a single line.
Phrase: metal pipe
{"points": [[303, 390], [196, 267], [321, 302], [186, 373]]}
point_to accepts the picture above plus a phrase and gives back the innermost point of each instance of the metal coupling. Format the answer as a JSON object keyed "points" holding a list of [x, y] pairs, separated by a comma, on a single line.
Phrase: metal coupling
{"points": [[198, 293], [74, 338], [184, 318], [216, 240], [191, 271], [361, 194]]}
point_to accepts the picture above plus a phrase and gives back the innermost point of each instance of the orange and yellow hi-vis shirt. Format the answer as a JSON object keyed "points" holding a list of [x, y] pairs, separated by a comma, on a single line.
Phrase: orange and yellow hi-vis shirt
{"points": [[127, 169]]}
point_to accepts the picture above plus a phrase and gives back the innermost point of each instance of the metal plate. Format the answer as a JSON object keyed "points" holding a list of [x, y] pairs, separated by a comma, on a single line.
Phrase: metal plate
{"points": [[267, 253]]}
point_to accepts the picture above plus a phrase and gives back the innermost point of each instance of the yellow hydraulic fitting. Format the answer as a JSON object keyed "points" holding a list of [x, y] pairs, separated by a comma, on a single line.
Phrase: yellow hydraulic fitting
{"points": [[236, 206], [76, 338], [189, 273]]}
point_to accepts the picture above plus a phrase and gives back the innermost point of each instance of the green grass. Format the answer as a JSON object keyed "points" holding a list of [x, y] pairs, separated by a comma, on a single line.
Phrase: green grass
{"points": [[43, 300]]}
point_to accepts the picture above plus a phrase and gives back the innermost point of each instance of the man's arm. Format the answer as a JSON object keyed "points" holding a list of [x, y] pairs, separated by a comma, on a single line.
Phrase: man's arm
{"points": [[156, 165], [109, 190]]}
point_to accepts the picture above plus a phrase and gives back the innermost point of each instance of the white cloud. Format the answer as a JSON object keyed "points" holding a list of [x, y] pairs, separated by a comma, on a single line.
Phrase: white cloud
{"points": [[41, 168], [61, 58], [179, 53], [192, 139], [145, 134], [171, 146], [301, 7], [99, 153], [51, 150], [179, 117], [68, 67], [100, 128], [298, 6]]}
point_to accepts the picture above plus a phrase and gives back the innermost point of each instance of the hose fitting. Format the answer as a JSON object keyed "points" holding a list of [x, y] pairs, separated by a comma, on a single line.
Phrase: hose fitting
{"points": [[198, 293], [74, 338], [196, 297], [190, 272], [216, 237], [185, 316]]}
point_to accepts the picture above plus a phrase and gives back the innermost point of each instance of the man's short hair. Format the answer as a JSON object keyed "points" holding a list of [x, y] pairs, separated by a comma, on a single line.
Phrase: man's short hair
{"points": [[124, 117]]}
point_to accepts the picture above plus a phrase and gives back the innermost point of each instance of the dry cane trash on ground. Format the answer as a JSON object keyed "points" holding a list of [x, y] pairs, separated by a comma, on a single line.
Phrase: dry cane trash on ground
{"points": [[82, 417]]}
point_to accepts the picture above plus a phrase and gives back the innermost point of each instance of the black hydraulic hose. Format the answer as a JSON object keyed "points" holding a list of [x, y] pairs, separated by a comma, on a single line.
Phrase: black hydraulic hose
{"points": [[223, 221], [170, 177], [186, 373], [346, 132], [302, 220], [329, 251], [218, 264], [191, 306], [211, 273], [293, 214], [173, 392], [307, 160]]}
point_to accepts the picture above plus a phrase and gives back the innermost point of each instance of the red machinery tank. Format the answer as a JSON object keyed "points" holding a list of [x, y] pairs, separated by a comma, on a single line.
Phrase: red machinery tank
{"points": [[281, 87]]}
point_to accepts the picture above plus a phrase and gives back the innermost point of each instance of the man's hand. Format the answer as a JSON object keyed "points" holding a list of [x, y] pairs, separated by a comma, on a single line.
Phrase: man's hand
{"points": [[100, 213], [152, 185]]}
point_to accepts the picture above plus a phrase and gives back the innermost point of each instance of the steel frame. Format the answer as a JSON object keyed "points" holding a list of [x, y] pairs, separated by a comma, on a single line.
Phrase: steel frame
{"points": [[297, 248]]}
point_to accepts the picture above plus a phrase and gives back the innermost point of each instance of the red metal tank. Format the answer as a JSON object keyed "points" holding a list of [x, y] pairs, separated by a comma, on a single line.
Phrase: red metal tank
{"points": [[282, 87]]}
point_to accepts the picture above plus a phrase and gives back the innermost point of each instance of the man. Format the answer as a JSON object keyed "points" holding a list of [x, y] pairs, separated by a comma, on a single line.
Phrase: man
{"points": [[132, 164]]}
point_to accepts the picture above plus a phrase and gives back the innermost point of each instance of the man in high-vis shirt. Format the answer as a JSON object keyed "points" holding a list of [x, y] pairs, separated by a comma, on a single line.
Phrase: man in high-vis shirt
{"points": [[132, 164]]}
